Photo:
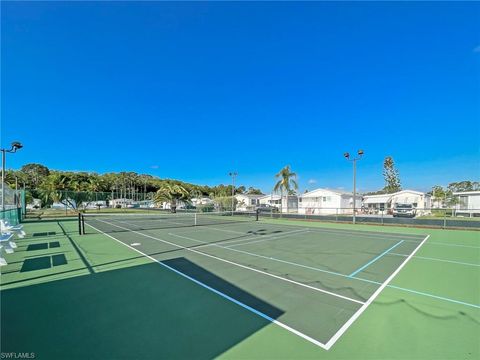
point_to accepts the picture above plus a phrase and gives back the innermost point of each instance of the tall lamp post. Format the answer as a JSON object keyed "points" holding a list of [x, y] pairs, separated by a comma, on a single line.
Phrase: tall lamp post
{"points": [[233, 175], [14, 147], [354, 160]]}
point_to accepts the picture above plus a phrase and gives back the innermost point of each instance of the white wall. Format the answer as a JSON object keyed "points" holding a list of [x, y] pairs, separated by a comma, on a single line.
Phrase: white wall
{"points": [[473, 201], [324, 202], [421, 201], [246, 202]]}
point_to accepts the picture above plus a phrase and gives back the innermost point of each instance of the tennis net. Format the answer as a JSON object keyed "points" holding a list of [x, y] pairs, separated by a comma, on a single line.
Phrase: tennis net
{"points": [[148, 221]]}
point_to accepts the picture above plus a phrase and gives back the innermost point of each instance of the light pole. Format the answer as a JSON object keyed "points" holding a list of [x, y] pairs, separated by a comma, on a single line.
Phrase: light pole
{"points": [[354, 160], [233, 175], [15, 146]]}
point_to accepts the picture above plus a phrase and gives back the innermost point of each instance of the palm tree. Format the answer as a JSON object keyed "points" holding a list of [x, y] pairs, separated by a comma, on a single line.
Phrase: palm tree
{"points": [[52, 189], [286, 183], [171, 193]]}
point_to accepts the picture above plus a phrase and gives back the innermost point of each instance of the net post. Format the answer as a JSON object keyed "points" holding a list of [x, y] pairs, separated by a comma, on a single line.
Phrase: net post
{"points": [[257, 211], [79, 223]]}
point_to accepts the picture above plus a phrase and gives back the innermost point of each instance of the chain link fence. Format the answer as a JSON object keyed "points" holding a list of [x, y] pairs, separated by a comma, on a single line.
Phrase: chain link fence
{"points": [[427, 217], [14, 206]]}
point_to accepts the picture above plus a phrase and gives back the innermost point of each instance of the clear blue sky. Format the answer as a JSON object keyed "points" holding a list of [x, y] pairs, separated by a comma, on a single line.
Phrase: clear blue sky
{"points": [[194, 90]]}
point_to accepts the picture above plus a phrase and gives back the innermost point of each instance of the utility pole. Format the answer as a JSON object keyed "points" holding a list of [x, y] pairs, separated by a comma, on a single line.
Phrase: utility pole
{"points": [[233, 175], [354, 160]]}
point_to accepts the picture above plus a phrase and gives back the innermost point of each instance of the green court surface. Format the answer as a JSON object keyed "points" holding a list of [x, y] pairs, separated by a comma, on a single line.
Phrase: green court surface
{"points": [[150, 288]]}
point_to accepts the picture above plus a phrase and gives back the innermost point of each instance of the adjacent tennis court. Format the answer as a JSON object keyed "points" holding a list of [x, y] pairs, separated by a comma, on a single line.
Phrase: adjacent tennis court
{"points": [[320, 279]]}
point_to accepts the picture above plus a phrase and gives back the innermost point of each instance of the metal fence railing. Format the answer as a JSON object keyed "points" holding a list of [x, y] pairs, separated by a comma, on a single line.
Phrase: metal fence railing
{"points": [[13, 204], [421, 217]]}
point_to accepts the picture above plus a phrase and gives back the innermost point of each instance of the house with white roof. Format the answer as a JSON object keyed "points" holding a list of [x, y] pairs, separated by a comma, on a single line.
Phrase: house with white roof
{"points": [[201, 201], [247, 202], [327, 201], [385, 202], [468, 203]]}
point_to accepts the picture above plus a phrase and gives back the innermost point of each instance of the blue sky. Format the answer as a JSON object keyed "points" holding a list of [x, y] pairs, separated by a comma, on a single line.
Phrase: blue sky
{"points": [[195, 90]]}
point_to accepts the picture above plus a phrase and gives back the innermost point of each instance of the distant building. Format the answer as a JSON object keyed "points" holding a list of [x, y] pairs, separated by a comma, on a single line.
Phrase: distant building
{"points": [[292, 204], [386, 202], [272, 200], [468, 203], [201, 201], [121, 203], [327, 201], [247, 202]]}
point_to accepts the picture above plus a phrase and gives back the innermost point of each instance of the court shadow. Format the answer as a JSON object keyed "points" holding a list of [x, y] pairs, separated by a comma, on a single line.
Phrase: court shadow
{"points": [[198, 273], [43, 262], [42, 234], [39, 263], [34, 247], [146, 312]]}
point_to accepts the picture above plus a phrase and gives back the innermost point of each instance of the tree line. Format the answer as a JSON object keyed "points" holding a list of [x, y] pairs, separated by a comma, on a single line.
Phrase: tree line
{"points": [[52, 186], [48, 185]]}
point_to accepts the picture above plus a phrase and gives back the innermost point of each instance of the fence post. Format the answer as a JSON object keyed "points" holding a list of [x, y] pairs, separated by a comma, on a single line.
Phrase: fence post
{"points": [[445, 219]]}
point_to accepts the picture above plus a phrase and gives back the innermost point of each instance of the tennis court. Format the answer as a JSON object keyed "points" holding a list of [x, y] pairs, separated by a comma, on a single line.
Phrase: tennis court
{"points": [[316, 282], [162, 285]]}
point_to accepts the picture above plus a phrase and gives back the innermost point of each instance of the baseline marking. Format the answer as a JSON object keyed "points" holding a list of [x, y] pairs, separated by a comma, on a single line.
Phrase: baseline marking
{"points": [[375, 259]]}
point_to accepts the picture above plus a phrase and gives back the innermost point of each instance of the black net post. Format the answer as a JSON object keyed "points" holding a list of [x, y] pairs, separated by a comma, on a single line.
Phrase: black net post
{"points": [[256, 214], [83, 225], [79, 224]]}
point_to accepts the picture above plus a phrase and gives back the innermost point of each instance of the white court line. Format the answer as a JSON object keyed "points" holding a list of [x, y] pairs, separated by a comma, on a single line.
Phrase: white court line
{"points": [[225, 296], [437, 259], [355, 316], [239, 265]]}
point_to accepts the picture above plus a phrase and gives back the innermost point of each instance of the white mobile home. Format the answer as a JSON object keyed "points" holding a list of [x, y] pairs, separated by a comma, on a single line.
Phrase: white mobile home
{"points": [[468, 203], [289, 204], [326, 201], [247, 202], [201, 201], [273, 200], [386, 202]]}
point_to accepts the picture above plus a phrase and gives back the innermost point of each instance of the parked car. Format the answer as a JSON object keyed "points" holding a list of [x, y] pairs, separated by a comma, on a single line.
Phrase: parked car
{"points": [[405, 210], [266, 208]]}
